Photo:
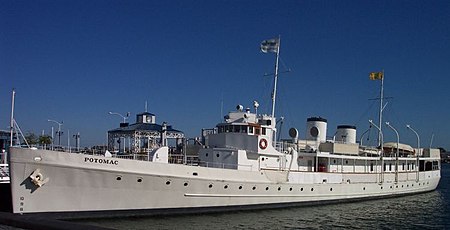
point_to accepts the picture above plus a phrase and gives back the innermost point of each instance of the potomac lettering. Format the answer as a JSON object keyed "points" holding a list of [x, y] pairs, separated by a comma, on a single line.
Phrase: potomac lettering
{"points": [[101, 161]]}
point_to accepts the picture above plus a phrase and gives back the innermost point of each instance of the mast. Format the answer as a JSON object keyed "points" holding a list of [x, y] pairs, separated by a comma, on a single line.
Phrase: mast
{"points": [[380, 115], [11, 126], [274, 94]]}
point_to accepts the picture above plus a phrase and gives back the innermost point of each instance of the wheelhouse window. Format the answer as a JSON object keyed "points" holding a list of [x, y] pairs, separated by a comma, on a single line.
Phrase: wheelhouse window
{"points": [[257, 131], [263, 131], [250, 129]]}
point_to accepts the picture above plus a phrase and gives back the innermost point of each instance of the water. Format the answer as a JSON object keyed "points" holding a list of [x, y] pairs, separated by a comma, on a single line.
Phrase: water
{"points": [[422, 211]]}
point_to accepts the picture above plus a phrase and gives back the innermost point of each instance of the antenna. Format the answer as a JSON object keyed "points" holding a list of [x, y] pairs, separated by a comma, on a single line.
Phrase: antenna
{"points": [[146, 107]]}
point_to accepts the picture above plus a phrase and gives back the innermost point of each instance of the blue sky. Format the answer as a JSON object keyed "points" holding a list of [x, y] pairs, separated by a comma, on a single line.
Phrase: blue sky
{"points": [[74, 61]]}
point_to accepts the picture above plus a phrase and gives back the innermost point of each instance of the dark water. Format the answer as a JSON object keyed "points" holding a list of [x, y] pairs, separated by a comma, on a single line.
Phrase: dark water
{"points": [[422, 211]]}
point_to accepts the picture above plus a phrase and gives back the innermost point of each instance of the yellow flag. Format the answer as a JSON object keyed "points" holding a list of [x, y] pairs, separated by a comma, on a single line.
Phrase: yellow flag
{"points": [[376, 76]]}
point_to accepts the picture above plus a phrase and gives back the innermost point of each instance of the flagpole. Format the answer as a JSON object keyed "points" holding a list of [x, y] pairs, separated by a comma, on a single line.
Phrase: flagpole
{"points": [[274, 94]]}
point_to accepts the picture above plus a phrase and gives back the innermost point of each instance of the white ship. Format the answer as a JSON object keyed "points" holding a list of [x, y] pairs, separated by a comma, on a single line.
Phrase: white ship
{"points": [[240, 167]]}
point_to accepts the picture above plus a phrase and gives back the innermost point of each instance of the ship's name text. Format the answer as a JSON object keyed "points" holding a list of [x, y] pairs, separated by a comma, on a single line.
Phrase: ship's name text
{"points": [[101, 161]]}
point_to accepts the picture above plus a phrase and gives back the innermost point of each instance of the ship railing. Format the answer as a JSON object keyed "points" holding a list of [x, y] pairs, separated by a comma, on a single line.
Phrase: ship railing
{"points": [[284, 146], [224, 165]]}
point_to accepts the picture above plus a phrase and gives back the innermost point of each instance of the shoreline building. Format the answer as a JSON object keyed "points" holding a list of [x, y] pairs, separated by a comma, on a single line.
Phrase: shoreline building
{"points": [[142, 136]]}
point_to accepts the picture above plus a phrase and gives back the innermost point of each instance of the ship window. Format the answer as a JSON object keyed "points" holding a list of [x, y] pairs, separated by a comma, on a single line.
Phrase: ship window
{"points": [[237, 129], [119, 178], [217, 155], [240, 187], [254, 187], [412, 166], [346, 162], [390, 166], [263, 131], [168, 182], [331, 189], [195, 174], [186, 184], [371, 167], [290, 189], [408, 166], [301, 189], [257, 131], [139, 180], [384, 167], [267, 188], [250, 129], [210, 185], [279, 188], [225, 187], [312, 189], [334, 161], [403, 166]]}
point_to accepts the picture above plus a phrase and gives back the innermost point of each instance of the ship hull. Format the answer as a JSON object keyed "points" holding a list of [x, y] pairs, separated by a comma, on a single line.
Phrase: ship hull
{"points": [[89, 186]]}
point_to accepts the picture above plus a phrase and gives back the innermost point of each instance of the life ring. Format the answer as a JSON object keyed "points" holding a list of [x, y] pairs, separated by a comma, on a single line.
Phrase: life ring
{"points": [[263, 143]]}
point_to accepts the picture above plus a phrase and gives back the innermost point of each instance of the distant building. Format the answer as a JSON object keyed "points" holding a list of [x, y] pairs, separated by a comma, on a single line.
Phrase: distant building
{"points": [[142, 136], [4, 140]]}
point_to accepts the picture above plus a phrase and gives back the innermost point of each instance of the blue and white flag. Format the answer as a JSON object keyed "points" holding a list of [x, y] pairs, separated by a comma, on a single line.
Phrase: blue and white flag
{"points": [[271, 45]]}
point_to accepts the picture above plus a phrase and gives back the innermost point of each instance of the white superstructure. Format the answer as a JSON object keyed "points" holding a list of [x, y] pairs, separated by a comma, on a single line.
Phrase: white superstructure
{"points": [[240, 167]]}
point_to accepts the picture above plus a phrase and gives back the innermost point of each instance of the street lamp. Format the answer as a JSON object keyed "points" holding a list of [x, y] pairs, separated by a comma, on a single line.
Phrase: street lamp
{"points": [[124, 124], [59, 132], [418, 150], [123, 117], [396, 153]]}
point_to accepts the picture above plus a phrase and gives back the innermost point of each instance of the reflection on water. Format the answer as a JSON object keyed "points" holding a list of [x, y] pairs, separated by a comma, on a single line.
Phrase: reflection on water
{"points": [[427, 211]]}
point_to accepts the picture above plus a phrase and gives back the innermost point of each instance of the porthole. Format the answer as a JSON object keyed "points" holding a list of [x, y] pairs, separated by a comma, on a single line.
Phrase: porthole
{"points": [[381, 187], [402, 186], [331, 189], [218, 155], [279, 188], [139, 180], [364, 188], [240, 186], [206, 154], [412, 185], [254, 187], [346, 162], [186, 184], [195, 174], [210, 186], [119, 178], [407, 185], [168, 182], [225, 187], [396, 186], [290, 189], [312, 189], [391, 186], [301, 189], [262, 158], [267, 188]]}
